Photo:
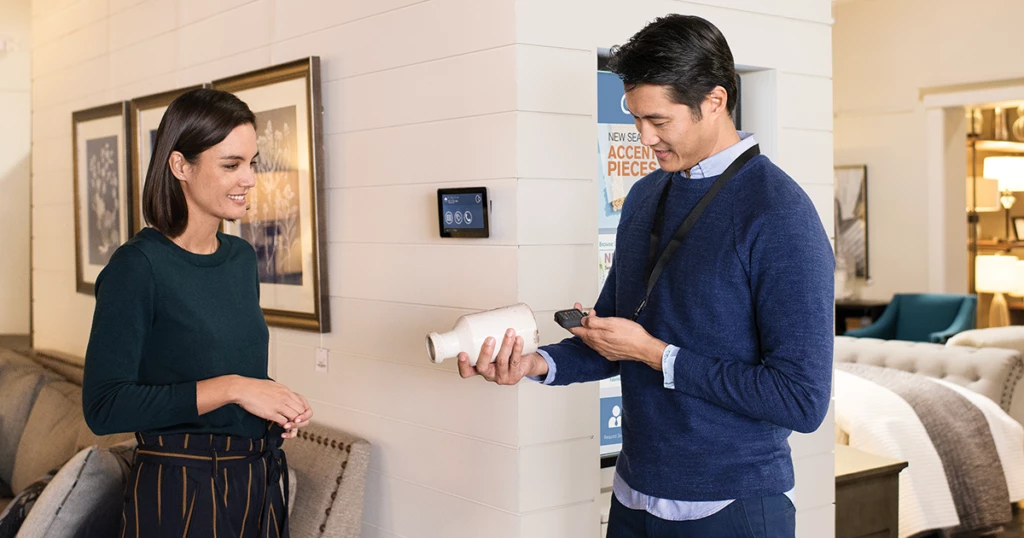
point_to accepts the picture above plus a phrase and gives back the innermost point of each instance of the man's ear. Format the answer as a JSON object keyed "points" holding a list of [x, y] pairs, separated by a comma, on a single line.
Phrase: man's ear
{"points": [[716, 102]]}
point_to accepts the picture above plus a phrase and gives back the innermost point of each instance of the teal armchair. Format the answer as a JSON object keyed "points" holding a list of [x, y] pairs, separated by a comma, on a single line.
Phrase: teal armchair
{"points": [[926, 317]]}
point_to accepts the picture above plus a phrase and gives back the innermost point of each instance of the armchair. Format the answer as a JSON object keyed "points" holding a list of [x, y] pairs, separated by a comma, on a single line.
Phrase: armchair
{"points": [[927, 317]]}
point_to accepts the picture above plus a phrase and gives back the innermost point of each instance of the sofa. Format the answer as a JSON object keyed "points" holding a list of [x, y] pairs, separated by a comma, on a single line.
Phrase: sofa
{"points": [[1008, 338], [957, 423], [990, 371], [76, 480]]}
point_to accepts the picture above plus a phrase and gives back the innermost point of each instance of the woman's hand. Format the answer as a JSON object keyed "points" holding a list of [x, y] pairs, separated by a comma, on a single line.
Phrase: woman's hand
{"points": [[264, 398], [292, 427]]}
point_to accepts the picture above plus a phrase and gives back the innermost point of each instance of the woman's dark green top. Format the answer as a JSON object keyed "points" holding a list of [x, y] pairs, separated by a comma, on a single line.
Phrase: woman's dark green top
{"points": [[165, 319]]}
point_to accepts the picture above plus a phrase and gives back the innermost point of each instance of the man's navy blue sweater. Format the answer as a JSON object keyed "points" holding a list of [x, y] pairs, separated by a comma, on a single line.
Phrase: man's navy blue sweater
{"points": [[748, 299]]}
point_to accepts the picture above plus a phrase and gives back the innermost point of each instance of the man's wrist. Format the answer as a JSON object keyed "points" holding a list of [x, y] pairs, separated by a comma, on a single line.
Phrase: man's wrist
{"points": [[654, 352], [538, 366]]}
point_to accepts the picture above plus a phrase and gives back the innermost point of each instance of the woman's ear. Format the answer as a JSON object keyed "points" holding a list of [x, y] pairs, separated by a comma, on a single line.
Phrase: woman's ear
{"points": [[179, 166]]}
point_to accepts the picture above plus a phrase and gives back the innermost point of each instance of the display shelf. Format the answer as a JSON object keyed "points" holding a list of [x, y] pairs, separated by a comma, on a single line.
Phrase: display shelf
{"points": [[999, 145]]}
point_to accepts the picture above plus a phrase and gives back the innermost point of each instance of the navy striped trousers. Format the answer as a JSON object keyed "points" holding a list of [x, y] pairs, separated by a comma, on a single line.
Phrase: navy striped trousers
{"points": [[207, 486]]}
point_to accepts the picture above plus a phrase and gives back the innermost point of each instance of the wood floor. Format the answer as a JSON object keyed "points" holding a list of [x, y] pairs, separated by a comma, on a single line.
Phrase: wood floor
{"points": [[1015, 529]]}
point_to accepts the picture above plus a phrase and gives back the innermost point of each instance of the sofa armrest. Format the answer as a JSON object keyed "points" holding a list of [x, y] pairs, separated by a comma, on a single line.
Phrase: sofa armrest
{"points": [[331, 468], [991, 372], [964, 321], [883, 328]]}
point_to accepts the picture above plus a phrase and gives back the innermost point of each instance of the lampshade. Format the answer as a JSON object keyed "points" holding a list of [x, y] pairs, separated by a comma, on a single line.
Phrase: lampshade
{"points": [[1008, 171], [995, 274], [1018, 288], [988, 194]]}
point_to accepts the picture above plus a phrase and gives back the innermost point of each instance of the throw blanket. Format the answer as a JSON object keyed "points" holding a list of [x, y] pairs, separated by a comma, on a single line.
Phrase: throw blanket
{"points": [[965, 454]]}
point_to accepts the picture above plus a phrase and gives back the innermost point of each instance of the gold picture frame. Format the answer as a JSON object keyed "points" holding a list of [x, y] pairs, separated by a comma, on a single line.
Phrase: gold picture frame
{"points": [[100, 148], [286, 223]]}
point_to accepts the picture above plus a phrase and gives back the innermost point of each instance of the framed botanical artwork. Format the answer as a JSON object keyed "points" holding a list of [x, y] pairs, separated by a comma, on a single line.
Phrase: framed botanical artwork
{"points": [[144, 115], [851, 217], [285, 222], [100, 156]]}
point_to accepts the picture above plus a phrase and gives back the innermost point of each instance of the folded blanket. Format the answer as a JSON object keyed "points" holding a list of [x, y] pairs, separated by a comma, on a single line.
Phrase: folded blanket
{"points": [[965, 454]]}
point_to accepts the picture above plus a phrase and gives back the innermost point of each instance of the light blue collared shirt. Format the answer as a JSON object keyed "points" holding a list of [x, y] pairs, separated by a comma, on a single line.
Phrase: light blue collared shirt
{"points": [[670, 509]]}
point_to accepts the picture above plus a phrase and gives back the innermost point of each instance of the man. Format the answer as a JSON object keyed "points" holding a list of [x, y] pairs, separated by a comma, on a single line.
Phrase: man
{"points": [[724, 343]]}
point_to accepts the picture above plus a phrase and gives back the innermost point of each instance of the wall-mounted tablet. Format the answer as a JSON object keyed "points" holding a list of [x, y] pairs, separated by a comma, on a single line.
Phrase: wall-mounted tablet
{"points": [[463, 212]]}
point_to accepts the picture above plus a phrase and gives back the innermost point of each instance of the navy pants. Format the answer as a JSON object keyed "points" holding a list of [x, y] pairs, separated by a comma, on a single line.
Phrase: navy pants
{"points": [[761, 517], [206, 486]]}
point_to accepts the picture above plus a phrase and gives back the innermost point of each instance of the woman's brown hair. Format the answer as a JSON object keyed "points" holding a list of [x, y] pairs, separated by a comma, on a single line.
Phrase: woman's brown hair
{"points": [[193, 123]]}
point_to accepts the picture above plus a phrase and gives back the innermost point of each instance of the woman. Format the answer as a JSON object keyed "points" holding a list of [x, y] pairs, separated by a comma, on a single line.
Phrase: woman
{"points": [[178, 349]]}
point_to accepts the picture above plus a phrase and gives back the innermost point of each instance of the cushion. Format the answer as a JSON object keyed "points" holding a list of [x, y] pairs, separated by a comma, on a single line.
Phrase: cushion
{"points": [[14, 514], [85, 498], [50, 433], [12, 358], [19, 387], [1002, 337]]}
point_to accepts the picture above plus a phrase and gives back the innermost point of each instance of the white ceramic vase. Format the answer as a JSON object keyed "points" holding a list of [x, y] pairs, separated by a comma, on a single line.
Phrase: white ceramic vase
{"points": [[471, 330]]}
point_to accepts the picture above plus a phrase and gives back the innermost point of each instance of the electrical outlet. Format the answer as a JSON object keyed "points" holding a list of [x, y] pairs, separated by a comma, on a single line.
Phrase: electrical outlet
{"points": [[322, 361]]}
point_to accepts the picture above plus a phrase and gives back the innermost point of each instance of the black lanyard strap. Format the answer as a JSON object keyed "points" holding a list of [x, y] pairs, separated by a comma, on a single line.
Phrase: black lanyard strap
{"points": [[654, 270]]}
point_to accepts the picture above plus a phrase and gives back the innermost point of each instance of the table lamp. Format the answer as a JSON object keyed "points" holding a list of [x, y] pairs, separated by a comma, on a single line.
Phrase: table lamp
{"points": [[1018, 288], [998, 275], [1009, 172]]}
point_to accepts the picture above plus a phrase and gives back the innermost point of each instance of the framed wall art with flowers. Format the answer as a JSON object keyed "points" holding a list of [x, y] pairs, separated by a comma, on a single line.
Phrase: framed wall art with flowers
{"points": [[285, 221], [102, 212]]}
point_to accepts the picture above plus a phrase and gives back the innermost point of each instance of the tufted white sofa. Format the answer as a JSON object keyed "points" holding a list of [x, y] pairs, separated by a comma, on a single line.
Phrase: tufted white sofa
{"points": [[992, 372]]}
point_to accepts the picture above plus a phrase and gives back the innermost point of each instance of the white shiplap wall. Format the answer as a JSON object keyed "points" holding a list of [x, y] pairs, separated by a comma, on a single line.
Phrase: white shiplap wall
{"points": [[15, 162], [420, 95]]}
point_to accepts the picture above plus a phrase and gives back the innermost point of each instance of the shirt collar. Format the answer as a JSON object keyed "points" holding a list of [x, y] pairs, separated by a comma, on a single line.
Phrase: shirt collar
{"points": [[716, 164]]}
